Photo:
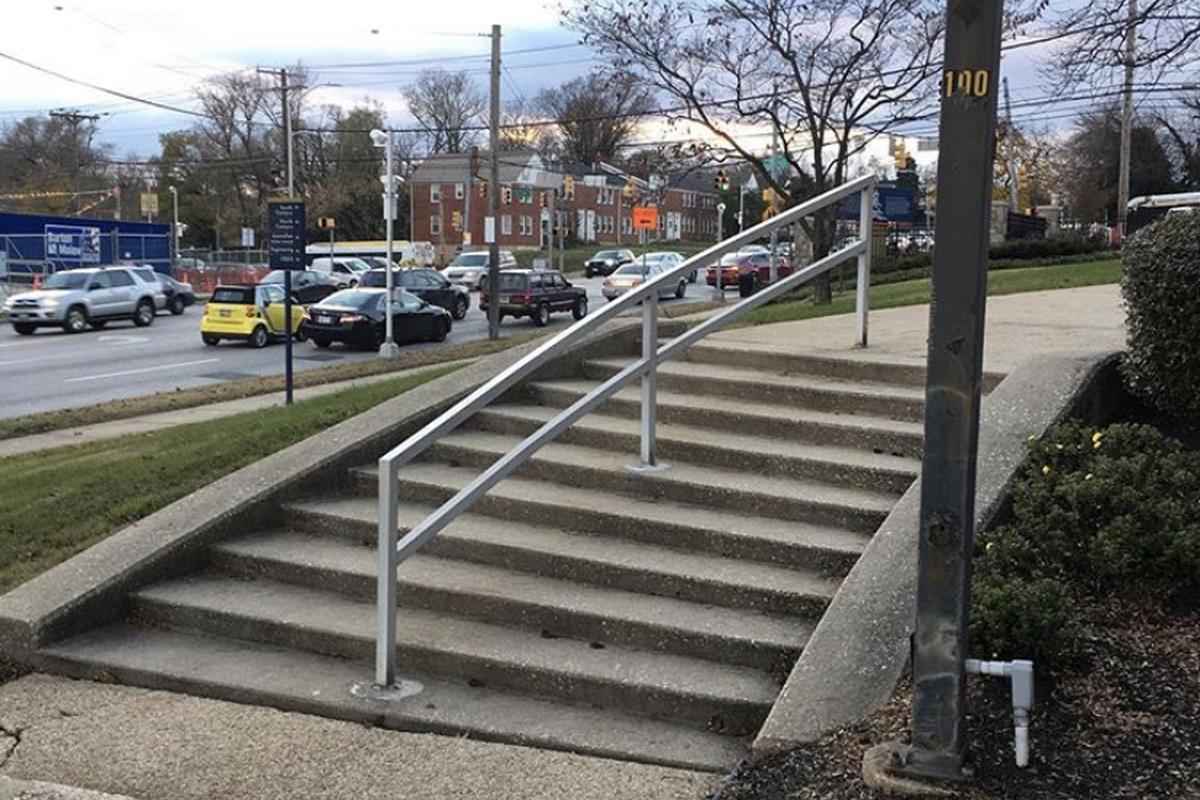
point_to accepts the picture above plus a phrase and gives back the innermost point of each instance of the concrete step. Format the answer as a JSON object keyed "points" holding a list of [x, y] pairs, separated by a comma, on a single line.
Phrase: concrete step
{"points": [[816, 392], [552, 606], [532, 502], [249, 672], [591, 559], [460, 649], [746, 416], [574, 465], [785, 359], [763, 455]]}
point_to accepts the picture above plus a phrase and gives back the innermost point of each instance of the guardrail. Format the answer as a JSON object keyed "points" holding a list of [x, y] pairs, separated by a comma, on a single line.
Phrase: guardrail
{"points": [[392, 550]]}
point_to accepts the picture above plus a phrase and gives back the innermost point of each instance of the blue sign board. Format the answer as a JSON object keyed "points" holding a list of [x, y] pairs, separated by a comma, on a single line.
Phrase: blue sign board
{"points": [[33, 242], [286, 234], [72, 244], [892, 204]]}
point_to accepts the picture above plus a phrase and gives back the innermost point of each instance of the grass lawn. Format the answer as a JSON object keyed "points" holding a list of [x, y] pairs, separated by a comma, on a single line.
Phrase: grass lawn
{"points": [[916, 292], [56, 503]]}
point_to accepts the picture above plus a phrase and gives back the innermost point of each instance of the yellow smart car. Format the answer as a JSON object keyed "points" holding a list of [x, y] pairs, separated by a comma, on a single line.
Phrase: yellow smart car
{"points": [[251, 314]]}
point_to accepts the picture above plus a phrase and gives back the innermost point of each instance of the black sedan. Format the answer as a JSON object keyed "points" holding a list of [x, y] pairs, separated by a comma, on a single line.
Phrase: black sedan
{"points": [[427, 284], [307, 286], [356, 317], [179, 294]]}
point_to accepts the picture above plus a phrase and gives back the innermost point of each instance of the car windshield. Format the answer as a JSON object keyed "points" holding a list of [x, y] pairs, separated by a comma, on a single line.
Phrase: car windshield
{"points": [[352, 298], [355, 264], [66, 280], [652, 258], [274, 277], [470, 260], [508, 282], [608, 254], [239, 295], [632, 269], [377, 278], [729, 259]]}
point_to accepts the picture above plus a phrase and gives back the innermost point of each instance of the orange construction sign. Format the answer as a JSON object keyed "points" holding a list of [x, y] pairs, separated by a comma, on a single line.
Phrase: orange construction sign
{"points": [[645, 218]]}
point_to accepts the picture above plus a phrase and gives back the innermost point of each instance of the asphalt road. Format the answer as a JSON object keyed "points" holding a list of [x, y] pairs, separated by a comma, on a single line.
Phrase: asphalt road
{"points": [[54, 370]]}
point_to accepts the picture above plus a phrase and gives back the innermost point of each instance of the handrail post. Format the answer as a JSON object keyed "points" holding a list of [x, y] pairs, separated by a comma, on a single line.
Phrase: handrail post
{"points": [[385, 597], [650, 378], [866, 232]]}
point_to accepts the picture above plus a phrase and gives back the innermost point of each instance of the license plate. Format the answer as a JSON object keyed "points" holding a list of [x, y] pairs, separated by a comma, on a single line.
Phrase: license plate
{"points": [[225, 312], [324, 320], [504, 298]]}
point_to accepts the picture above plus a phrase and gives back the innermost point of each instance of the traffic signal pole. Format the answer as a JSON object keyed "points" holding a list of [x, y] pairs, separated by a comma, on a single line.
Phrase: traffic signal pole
{"points": [[494, 194]]}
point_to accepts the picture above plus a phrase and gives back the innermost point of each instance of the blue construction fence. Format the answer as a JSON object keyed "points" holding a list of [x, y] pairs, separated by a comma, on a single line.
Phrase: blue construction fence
{"points": [[38, 245]]}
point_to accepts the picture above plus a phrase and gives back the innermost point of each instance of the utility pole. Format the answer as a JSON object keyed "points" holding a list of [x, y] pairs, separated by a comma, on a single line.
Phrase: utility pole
{"points": [[174, 228], [1126, 122], [74, 118], [774, 268], [1014, 187], [494, 194], [472, 164]]}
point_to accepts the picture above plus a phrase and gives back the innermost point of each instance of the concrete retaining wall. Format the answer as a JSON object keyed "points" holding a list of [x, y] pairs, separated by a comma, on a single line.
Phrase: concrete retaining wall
{"points": [[860, 649]]}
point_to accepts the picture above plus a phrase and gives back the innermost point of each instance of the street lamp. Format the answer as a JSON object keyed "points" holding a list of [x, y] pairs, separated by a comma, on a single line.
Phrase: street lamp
{"points": [[174, 229], [383, 139]]}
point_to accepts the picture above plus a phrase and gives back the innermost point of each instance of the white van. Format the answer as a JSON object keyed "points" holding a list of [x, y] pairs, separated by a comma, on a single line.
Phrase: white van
{"points": [[346, 271]]}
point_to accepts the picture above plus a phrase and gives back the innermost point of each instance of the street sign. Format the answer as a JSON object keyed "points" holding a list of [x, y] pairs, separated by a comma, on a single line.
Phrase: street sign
{"points": [[285, 234], [149, 204], [645, 218], [247, 237]]}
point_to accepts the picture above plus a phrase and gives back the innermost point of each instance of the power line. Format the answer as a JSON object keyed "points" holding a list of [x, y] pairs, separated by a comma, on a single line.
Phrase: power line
{"points": [[441, 59]]}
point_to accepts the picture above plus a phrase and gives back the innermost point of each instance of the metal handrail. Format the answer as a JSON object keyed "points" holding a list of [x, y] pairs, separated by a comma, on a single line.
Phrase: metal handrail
{"points": [[391, 551]]}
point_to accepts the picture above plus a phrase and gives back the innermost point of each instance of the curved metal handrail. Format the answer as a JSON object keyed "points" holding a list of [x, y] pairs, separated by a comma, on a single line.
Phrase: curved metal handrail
{"points": [[392, 552]]}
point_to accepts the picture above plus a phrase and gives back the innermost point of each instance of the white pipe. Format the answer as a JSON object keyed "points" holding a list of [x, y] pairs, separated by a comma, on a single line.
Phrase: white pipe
{"points": [[1020, 675]]}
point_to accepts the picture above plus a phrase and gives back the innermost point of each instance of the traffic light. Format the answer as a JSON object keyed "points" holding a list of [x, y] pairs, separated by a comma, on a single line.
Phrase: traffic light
{"points": [[721, 182], [483, 191], [569, 187], [630, 186], [506, 195], [900, 154], [542, 200], [456, 220]]}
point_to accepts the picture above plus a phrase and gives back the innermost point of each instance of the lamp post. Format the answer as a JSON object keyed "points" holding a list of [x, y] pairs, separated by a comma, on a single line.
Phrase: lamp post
{"points": [[174, 228], [383, 139]]}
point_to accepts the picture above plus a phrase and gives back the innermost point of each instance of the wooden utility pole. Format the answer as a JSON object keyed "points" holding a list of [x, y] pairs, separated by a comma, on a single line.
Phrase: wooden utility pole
{"points": [[1126, 122], [494, 194]]}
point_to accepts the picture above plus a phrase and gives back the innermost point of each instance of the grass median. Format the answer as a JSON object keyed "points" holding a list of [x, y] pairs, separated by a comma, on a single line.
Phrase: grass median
{"points": [[56, 503]]}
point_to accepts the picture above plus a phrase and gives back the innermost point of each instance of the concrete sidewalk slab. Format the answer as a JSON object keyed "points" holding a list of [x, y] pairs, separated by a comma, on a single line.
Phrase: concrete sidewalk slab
{"points": [[37, 790], [1090, 318], [163, 746]]}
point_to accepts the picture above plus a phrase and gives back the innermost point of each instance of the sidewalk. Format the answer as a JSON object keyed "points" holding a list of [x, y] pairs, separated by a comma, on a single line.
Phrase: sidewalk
{"points": [[163, 746], [183, 416]]}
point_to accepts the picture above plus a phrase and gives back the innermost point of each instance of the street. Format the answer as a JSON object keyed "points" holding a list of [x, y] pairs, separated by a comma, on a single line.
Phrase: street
{"points": [[54, 370]]}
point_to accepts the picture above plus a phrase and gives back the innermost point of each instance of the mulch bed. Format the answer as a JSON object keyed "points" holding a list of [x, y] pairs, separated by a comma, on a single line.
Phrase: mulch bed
{"points": [[1122, 722]]}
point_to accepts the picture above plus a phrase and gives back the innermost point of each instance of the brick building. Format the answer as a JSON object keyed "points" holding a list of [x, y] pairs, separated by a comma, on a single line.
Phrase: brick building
{"points": [[592, 203]]}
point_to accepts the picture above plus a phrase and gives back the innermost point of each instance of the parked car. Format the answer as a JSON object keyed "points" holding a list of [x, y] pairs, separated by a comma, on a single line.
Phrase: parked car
{"points": [[467, 268], [378, 262], [345, 270], [629, 276], [606, 262], [535, 294], [179, 295], [76, 298], [427, 284], [748, 273], [667, 260], [358, 317], [307, 286], [253, 314]]}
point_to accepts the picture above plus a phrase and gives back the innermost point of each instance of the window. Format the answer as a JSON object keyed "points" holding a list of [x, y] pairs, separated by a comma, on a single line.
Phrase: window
{"points": [[626, 225], [506, 225], [526, 225], [435, 193], [435, 224], [459, 191], [559, 281], [120, 277]]}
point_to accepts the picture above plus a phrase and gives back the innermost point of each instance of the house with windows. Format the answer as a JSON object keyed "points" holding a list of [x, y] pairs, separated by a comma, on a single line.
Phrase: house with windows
{"points": [[590, 203]]}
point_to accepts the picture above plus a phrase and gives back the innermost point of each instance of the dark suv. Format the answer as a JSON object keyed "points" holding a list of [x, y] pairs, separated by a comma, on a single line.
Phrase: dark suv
{"points": [[427, 284], [535, 294]]}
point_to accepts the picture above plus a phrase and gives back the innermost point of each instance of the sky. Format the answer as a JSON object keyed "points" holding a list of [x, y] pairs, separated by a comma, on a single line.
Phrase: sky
{"points": [[162, 49]]}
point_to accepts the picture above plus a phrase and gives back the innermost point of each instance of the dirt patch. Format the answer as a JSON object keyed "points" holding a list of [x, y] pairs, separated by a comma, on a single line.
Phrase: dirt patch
{"points": [[1120, 724]]}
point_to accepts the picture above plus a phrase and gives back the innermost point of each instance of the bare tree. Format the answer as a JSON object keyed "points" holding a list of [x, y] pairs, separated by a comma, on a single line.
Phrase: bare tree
{"points": [[825, 76], [447, 105], [522, 130], [597, 115], [1182, 129], [45, 161]]}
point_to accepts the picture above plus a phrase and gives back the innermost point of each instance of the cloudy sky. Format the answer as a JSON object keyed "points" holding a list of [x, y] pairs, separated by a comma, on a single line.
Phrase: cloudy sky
{"points": [[162, 49]]}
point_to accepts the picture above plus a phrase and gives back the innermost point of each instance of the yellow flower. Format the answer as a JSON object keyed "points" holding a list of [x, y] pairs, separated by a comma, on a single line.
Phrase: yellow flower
{"points": [[1059, 446], [989, 547], [1097, 436], [1032, 437], [1096, 444], [1087, 477], [1046, 470]]}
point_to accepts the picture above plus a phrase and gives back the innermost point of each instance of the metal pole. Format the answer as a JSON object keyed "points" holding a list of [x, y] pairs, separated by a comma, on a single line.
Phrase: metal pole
{"points": [[550, 231], [720, 289], [385, 587], [650, 379], [866, 232], [1126, 122], [389, 348], [955, 365], [175, 230], [773, 273], [494, 193], [742, 207], [287, 274], [466, 217], [1014, 188]]}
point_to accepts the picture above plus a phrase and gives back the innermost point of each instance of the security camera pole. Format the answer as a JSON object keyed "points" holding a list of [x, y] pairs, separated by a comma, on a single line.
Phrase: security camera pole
{"points": [[389, 348]]}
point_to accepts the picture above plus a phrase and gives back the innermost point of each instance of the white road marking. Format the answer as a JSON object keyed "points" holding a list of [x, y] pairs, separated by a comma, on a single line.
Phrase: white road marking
{"points": [[142, 370], [119, 339]]}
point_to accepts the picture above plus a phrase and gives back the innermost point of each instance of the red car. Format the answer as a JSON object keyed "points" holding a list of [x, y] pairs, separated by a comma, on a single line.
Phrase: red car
{"points": [[749, 272]]}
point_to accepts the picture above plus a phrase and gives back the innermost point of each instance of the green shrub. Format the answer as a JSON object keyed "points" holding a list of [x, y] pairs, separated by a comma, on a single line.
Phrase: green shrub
{"points": [[1162, 273], [1024, 249], [1109, 511]]}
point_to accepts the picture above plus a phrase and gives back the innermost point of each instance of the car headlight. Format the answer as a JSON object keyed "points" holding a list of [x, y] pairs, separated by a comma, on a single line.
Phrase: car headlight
{"points": [[50, 302]]}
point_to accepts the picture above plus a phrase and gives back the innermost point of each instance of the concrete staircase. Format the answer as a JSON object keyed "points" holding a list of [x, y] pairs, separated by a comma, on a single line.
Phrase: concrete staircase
{"points": [[647, 616]]}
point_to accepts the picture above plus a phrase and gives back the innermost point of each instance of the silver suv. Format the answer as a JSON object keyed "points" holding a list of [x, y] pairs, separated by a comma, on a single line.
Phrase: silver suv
{"points": [[468, 268], [76, 298]]}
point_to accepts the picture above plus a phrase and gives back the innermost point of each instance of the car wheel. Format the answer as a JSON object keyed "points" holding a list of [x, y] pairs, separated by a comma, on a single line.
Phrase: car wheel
{"points": [[441, 330], [76, 320], [177, 305], [322, 342], [460, 307], [692, 277], [681, 290], [299, 335], [144, 316], [748, 285], [541, 315], [210, 340], [259, 338], [579, 310], [24, 328]]}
